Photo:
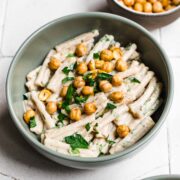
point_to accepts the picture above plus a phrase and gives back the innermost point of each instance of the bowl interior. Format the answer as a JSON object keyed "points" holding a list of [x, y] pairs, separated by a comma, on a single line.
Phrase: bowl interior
{"points": [[32, 53]]}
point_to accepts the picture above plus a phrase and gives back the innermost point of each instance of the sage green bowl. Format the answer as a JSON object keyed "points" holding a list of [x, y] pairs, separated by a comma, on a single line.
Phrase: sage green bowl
{"points": [[34, 49]]}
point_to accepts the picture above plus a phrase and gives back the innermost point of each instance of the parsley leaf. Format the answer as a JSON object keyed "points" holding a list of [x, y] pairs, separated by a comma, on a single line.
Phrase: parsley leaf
{"points": [[32, 122], [96, 56], [135, 80], [80, 99], [76, 141], [65, 106], [67, 79], [70, 55], [66, 70], [110, 142], [110, 106], [89, 80], [87, 126], [104, 76], [61, 117], [70, 93]]}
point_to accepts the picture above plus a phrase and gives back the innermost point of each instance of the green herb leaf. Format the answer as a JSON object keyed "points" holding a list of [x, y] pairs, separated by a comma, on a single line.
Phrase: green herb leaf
{"points": [[24, 97], [110, 141], [80, 99], [61, 117], [87, 126], [104, 76], [89, 80], [70, 93], [32, 122], [67, 79], [134, 80], [75, 151], [70, 55], [66, 70], [96, 56], [110, 106], [77, 141], [65, 105]]}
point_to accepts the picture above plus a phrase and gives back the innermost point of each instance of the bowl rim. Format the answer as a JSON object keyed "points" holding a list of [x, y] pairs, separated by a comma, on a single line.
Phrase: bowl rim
{"points": [[171, 11], [163, 177], [36, 144]]}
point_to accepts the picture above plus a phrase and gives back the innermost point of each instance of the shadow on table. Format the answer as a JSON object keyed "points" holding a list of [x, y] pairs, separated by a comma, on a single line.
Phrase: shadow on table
{"points": [[16, 148]]}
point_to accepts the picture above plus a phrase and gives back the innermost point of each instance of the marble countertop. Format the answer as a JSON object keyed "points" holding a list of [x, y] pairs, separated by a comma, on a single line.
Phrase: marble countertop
{"points": [[18, 160]]}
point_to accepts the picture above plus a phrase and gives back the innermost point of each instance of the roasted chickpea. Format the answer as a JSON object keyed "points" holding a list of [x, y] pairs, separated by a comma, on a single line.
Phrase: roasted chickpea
{"points": [[79, 82], [169, 7], [117, 52], [87, 90], [176, 2], [64, 91], [106, 55], [152, 1], [51, 107], [148, 7], [99, 64], [90, 108], [81, 50], [107, 67], [105, 86], [157, 7], [75, 114], [81, 68], [138, 7], [129, 2], [28, 115], [44, 94], [116, 96], [123, 131], [91, 65], [165, 3], [116, 80], [121, 65], [54, 63], [140, 1]]}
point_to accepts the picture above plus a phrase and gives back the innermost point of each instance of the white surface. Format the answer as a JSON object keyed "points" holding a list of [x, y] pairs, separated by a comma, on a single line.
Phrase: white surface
{"points": [[18, 19]]}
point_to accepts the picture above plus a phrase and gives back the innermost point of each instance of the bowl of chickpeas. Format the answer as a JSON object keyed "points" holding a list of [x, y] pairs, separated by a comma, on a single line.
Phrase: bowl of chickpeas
{"points": [[150, 13]]}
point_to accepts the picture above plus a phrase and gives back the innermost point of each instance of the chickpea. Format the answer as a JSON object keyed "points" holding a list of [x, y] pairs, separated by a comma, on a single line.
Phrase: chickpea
{"points": [[99, 64], [64, 91], [75, 114], [116, 96], [106, 55], [152, 1], [169, 7], [121, 65], [141, 1], [79, 82], [165, 3], [28, 115], [105, 86], [123, 131], [54, 63], [87, 90], [51, 107], [129, 2], [81, 68], [91, 65], [107, 67], [138, 7], [116, 80], [81, 50], [176, 2], [157, 7], [44, 94], [90, 108], [148, 7], [117, 52]]}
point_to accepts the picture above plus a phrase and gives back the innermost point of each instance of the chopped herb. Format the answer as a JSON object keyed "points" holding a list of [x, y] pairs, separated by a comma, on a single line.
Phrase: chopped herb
{"points": [[110, 106], [70, 93], [75, 151], [110, 142], [96, 56], [134, 80], [89, 80], [61, 117], [104, 76], [65, 106], [32, 122], [70, 55], [67, 79], [66, 70], [24, 97], [80, 99], [95, 130], [87, 126], [76, 141]]}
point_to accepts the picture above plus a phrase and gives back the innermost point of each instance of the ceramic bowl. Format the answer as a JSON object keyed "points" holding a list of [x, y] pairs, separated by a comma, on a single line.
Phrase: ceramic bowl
{"points": [[149, 20], [32, 52]]}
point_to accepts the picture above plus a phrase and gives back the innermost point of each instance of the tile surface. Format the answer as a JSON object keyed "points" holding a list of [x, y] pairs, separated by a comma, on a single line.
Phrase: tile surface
{"points": [[18, 160]]}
